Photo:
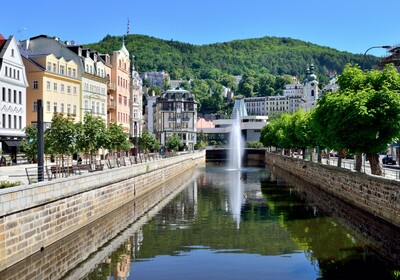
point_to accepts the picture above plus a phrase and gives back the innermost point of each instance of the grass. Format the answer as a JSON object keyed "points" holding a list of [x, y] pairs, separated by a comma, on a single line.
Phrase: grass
{"points": [[7, 184]]}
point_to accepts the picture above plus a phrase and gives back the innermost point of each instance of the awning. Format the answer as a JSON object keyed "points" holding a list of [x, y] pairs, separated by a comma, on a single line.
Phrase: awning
{"points": [[12, 143]]}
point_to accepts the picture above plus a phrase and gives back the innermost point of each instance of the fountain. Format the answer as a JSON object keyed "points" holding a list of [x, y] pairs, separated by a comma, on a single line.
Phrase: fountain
{"points": [[236, 144], [235, 155]]}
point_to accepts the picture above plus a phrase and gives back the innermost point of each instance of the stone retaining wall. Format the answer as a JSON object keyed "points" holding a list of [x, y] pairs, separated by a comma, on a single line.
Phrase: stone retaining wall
{"points": [[376, 195], [34, 216]]}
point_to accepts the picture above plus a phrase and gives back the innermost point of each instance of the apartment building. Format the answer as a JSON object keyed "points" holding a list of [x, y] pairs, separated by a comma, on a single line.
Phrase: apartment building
{"points": [[94, 82], [119, 97], [175, 112], [56, 82], [136, 125], [13, 85]]}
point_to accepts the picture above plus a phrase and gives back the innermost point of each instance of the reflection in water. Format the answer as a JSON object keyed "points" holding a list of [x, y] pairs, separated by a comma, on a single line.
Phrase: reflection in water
{"points": [[235, 195], [264, 225]]}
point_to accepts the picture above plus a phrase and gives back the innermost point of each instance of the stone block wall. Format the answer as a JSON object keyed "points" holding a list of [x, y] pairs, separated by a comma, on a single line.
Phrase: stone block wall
{"points": [[33, 217], [376, 195]]}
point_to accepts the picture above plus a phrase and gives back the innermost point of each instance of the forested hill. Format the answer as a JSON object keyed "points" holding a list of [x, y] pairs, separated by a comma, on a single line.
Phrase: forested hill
{"points": [[273, 55]]}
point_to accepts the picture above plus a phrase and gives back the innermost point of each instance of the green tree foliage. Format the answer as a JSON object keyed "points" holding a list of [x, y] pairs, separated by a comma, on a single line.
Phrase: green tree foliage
{"points": [[90, 134], [266, 64], [30, 144], [174, 142], [116, 139], [273, 55], [364, 116], [60, 138], [148, 143]]}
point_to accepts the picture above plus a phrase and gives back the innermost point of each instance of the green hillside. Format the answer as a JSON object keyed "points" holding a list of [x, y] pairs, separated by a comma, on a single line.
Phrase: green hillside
{"points": [[276, 56], [266, 64]]}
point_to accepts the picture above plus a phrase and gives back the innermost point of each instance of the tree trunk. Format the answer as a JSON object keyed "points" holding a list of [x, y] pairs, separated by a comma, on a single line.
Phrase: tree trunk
{"points": [[358, 162], [303, 150], [340, 156], [374, 163], [319, 155], [311, 154]]}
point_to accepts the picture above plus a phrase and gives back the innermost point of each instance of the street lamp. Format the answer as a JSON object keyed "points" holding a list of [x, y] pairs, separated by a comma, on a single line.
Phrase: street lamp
{"points": [[374, 47]]}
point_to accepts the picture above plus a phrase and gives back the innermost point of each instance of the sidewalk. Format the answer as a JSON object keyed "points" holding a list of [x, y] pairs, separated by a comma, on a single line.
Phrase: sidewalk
{"points": [[15, 173]]}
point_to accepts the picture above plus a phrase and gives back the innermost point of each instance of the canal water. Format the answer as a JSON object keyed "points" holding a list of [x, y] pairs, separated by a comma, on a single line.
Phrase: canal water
{"points": [[255, 223]]}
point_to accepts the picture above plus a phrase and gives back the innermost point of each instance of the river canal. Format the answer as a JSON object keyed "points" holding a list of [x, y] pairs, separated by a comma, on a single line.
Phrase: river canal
{"points": [[218, 224]]}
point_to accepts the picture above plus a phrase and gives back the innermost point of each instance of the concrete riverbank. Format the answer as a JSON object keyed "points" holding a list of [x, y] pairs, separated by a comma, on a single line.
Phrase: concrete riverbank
{"points": [[376, 195], [35, 216]]}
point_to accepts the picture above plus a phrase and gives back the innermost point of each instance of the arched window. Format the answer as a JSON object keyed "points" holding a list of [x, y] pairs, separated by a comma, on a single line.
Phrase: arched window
{"points": [[312, 92]]}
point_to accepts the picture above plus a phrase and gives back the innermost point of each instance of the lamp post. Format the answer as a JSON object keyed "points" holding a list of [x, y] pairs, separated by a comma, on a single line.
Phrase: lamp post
{"points": [[374, 47]]}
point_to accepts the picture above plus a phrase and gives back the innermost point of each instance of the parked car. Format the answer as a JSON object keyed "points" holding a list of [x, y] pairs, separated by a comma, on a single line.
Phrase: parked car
{"points": [[388, 160]]}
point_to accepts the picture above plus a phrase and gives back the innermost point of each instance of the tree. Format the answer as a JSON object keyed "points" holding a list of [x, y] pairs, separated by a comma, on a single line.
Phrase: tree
{"points": [[90, 135], [116, 138], [364, 115], [148, 142], [174, 142], [30, 145], [60, 137]]}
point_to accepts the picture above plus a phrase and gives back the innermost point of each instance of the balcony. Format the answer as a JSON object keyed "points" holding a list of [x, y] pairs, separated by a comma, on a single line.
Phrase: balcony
{"points": [[111, 104], [111, 86]]}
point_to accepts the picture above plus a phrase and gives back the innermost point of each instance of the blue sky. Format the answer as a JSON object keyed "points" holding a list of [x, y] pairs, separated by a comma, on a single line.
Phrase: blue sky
{"points": [[351, 25]]}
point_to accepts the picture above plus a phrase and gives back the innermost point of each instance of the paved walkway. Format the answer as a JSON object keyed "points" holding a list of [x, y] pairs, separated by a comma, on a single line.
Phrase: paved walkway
{"points": [[15, 173]]}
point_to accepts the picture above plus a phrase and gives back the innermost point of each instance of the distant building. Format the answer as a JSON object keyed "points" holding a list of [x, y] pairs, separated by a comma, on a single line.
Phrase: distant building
{"points": [[13, 85], [175, 112], [295, 96], [221, 128], [136, 126], [155, 78]]}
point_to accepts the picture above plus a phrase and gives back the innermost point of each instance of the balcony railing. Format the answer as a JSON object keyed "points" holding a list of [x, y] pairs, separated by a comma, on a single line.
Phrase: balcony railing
{"points": [[111, 86], [111, 104]]}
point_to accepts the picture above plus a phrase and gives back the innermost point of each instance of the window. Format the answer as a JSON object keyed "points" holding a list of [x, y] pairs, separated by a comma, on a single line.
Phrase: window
{"points": [[54, 67], [15, 122], [55, 107], [48, 68], [15, 96], [74, 90], [97, 107], [68, 109], [86, 104], [9, 95], [4, 94], [74, 73], [48, 85], [103, 109], [62, 69], [62, 108], [9, 121], [55, 86], [12, 52], [34, 106], [68, 89], [4, 120], [48, 106], [20, 122], [74, 110], [35, 84], [6, 71], [92, 106], [69, 71]]}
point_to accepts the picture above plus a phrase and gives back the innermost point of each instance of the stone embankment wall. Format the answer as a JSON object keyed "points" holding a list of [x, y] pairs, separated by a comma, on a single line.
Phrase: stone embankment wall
{"points": [[376, 195], [34, 216]]}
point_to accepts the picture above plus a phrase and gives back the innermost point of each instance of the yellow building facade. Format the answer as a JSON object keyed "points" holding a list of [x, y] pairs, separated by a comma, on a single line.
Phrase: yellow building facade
{"points": [[56, 82]]}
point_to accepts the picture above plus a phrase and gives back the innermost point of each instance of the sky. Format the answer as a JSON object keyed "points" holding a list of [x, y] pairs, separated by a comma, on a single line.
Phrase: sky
{"points": [[346, 25]]}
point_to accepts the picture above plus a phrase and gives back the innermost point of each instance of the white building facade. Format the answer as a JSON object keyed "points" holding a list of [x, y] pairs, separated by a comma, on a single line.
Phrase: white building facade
{"points": [[13, 84]]}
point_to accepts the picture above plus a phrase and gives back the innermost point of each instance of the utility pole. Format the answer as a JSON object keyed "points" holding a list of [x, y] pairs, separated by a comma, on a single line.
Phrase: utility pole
{"points": [[40, 139]]}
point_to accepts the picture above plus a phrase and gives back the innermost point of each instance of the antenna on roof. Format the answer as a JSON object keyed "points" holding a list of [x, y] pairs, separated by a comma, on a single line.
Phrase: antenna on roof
{"points": [[129, 27]]}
